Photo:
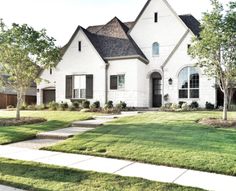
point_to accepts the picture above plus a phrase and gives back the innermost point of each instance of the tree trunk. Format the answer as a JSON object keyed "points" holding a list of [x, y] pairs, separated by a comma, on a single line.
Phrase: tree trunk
{"points": [[225, 111], [19, 101]]}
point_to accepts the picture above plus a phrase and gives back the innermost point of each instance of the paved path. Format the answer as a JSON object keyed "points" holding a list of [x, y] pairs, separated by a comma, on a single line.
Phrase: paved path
{"points": [[8, 188], [204, 180]]}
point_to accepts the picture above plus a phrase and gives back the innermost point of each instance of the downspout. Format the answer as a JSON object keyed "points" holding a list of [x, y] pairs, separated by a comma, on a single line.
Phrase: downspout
{"points": [[106, 82]]}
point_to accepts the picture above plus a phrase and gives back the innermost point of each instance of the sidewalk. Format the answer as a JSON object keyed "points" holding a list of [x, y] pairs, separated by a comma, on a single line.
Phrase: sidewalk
{"points": [[204, 180], [8, 188]]}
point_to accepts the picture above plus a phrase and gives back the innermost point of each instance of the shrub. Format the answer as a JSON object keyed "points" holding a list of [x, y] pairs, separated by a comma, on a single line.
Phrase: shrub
{"points": [[210, 106], [232, 107], [76, 104], [72, 108], [31, 107], [181, 103], [10, 107], [86, 104], [65, 105], [41, 107], [174, 106], [122, 105], [95, 105], [53, 106], [194, 105], [23, 106], [185, 107], [109, 105]]}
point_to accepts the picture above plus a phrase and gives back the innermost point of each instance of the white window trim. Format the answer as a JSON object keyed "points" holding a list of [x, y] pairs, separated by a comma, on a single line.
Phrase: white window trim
{"points": [[73, 95], [188, 89]]}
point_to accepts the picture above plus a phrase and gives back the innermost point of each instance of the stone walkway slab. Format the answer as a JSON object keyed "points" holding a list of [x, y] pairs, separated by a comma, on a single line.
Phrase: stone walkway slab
{"points": [[152, 172], [63, 133], [99, 164], [207, 181], [204, 180], [8, 188], [90, 123], [36, 143]]}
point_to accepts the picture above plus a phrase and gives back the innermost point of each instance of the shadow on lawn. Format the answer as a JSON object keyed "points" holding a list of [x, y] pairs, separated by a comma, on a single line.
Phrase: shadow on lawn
{"points": [[39, 174]]}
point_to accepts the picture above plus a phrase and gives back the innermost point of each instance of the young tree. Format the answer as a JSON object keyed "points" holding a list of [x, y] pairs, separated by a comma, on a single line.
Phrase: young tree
{"points": [[215, 48], [23, 53]]}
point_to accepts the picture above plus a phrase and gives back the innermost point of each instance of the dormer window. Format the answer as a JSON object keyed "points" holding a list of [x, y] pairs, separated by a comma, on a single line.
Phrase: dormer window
{"points": [[79, 46], [50, 71], [156, 17], [155, 49]]}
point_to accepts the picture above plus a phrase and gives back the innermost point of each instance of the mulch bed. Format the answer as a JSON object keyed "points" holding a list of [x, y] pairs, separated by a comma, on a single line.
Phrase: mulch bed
{"points": [[218, 123], [22, 121]]}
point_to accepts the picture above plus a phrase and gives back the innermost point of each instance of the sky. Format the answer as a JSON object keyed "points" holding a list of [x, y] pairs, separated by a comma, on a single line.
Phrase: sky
{"points": [[61, 17]]}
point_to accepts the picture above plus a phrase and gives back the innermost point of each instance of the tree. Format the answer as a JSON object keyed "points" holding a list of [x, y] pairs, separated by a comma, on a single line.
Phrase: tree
{"points": [[215, 48], [23, 53]]}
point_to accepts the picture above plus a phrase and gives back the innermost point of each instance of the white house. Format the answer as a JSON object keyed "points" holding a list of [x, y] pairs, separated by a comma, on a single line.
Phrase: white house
{"points": [[144, 63]]}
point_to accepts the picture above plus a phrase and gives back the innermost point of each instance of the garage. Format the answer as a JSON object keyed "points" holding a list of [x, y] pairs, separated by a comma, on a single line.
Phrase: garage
{"points": [[49, 95]]}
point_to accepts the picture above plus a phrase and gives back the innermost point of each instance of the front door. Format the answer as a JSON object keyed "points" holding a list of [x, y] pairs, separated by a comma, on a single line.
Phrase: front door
{"points": [[157, 97], [49, 96]]}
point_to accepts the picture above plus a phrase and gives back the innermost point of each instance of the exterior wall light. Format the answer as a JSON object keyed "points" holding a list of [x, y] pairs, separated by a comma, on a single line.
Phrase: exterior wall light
{"points": [[170, 81]]}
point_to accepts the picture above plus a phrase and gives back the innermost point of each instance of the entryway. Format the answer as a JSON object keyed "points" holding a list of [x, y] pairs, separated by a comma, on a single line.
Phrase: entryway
{"points": [[156, 85]]}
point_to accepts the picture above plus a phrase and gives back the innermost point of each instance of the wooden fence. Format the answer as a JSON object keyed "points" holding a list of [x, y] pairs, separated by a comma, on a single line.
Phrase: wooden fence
{"points": [[7, 99]]}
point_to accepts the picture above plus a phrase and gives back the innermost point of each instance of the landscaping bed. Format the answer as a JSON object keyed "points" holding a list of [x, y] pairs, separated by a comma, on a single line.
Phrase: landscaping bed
{"points": [[218, 123], [22, 121]]}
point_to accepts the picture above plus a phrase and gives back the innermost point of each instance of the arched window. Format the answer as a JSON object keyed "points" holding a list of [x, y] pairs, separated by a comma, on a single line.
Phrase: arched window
{"points": [[189, 83], [155, 49]]}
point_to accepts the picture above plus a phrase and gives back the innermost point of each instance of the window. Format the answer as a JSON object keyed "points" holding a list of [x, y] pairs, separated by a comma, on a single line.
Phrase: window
{"points": [[50, 71], [117, 82], [188, 48], [79, 46], [156, 17], [189, 83], [155, 49], [79, 87]]}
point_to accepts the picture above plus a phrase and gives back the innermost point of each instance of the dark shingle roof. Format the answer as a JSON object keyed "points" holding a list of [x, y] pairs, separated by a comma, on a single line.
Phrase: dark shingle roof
{"points": [[192, 23], [112, 41]]}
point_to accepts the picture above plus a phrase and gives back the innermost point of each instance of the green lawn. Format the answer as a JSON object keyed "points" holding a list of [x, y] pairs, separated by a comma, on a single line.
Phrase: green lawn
{"points": [[34, 176], [56, 120], [172, 139]]}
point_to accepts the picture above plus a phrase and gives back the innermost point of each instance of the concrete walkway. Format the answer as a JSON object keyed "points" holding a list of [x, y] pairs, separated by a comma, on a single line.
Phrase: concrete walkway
{"points": [[204, 180], [8, 188]]}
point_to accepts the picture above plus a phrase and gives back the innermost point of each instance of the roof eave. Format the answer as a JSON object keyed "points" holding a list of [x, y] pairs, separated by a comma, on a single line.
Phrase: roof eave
{"points": [[145, 61]]}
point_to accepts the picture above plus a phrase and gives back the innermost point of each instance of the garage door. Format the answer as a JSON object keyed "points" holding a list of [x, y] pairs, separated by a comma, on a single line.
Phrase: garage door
{"points": [[49, 96]]}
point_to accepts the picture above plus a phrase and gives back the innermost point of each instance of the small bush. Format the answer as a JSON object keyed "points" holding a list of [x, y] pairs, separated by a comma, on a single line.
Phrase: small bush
{"points": [[210, 106], [109, 105], [174, 106], [232, 107], [185, 107], [65, 105], [181, 103], [122, 105], [86, 104], [31, 107], [95, 105], [23, 106], [10, 107], [72, 108], [194, 105], [41, 107], [76, 104], [53, 106]]}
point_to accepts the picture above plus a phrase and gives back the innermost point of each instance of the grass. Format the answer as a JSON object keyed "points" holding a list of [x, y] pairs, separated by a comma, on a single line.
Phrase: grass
{"points": [[39, 177], [171, 139], [56, 120]]}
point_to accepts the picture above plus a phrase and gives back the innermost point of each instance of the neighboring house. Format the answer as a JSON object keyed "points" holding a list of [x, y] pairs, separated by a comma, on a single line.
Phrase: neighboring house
{"points": [[8, 96], [144, 63]]}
